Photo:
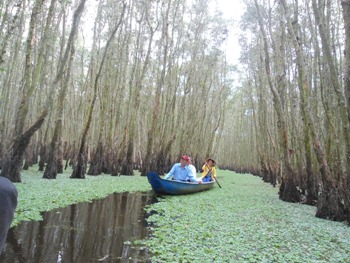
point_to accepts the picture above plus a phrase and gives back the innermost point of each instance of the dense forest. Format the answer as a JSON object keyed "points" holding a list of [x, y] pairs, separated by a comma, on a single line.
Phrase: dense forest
{"points": [[114, 86]]}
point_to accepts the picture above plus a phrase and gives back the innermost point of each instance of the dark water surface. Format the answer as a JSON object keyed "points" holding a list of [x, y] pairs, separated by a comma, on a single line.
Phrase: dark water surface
{"points": [[100, 231]]}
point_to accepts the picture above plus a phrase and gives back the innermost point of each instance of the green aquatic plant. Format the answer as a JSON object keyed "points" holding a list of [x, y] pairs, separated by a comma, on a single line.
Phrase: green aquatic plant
{"points": [[36, 195], [242, 222]]}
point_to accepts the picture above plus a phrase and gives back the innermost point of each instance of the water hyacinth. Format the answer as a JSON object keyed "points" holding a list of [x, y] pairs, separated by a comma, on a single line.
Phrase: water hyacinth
{"points": [[243, 222], [36, 194]]}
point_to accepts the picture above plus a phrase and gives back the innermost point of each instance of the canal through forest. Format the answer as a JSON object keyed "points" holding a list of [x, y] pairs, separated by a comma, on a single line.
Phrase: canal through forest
{"points": [[99, 231]]}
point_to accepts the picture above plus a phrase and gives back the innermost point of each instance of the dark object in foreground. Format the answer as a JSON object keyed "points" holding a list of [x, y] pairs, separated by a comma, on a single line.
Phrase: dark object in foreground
{"points": [[171, 187], [8, 204]]}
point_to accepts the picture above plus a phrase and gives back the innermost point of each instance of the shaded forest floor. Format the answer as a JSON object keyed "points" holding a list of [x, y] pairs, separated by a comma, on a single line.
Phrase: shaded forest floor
{"points": [[242, 222]]}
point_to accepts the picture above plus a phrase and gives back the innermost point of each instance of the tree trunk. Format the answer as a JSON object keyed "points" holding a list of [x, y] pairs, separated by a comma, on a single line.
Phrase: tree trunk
{"points": [[308, 123], [5, 38], [149, 161], [12, 162], [135, 88], [330, 204], [14, 159], [96, 165], [346, 15], [80, 165], [54, 159], [288, 190], [345, 119]]}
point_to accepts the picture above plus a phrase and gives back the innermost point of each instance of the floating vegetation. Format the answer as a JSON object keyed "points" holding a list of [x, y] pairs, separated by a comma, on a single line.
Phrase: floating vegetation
{"points": [[36, 194], [243, 222]]}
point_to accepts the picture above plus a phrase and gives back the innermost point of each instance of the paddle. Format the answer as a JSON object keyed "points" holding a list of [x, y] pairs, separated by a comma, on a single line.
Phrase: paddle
{"points": [[218, 182]]}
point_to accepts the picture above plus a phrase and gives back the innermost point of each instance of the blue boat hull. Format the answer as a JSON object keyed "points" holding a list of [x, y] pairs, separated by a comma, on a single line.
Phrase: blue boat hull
{"points": [[170, 187]]}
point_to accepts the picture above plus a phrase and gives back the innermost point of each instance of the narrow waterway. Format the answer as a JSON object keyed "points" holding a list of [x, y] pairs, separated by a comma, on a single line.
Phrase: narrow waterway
{"points": [[100, 231]]}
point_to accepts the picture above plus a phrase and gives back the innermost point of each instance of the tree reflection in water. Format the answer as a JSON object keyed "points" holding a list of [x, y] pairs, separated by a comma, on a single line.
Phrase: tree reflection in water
{"points": [[100, 231]]}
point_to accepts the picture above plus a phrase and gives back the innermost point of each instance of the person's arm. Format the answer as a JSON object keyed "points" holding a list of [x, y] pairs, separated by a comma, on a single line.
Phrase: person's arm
{"points": [[192, 177], [194, 170], [171, 173]]}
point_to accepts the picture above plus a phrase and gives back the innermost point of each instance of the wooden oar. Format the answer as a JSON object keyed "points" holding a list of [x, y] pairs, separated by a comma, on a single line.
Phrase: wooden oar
{"points": [[218, 183], [215, 178]]}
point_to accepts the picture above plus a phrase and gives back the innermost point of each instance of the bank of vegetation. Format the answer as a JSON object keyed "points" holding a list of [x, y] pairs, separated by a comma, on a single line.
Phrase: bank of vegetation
{"points": [[37, 195], [244, 221]]}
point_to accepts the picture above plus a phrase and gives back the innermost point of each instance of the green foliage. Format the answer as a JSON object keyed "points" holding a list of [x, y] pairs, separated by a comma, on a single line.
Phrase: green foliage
{"points": [[242, 222], [36, 194]]}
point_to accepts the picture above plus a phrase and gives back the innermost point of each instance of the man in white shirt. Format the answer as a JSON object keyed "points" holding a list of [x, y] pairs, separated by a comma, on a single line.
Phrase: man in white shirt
{"points": [[182, 172], [192, 167]]}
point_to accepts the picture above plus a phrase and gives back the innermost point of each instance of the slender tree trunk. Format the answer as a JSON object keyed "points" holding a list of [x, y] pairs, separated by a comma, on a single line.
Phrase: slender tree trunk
{"points": [[96, 165], [149, 161], [330, 201], [96, 162], [308, 123], [288, 190], [42, 160], [79, 168], [53, 160], [346, 15], [5, 39], [13, 160], [345, 119], [135, 90]]}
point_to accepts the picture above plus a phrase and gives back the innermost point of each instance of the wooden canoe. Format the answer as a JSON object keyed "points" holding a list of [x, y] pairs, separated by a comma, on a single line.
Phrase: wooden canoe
{"points": [[171, 187]]}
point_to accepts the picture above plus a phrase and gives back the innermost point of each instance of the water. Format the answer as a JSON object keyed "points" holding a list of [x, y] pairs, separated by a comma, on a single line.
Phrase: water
{"points": [[100, 231]]}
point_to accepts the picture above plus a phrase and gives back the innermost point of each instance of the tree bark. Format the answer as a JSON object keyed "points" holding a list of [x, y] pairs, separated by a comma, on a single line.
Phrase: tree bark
{"points": [[12, 162], [149, 162], [53, 161], [308, 123], [135, 88], [345, 119], [288, 190], [79, 168], [11, 27], [330, 201], [346, 15]]}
